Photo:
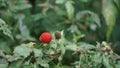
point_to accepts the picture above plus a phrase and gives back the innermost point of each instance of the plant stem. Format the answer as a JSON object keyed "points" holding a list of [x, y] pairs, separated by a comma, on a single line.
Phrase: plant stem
{"points": [[79, 60]]}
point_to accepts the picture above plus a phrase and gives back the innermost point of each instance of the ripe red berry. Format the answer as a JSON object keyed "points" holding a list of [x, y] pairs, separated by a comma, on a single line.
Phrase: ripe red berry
{"points": [[46, 37]]}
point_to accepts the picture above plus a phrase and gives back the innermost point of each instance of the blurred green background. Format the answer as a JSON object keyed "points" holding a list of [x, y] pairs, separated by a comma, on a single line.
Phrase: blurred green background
{"points": [[81, 20]]}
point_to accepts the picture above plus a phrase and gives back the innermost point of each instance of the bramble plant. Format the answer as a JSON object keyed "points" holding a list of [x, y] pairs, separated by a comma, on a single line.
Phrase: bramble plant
{"points": [[54, 55], [59, 34]]}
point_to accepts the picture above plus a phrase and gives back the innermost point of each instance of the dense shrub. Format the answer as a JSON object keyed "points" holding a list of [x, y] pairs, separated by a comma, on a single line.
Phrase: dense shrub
{"points": [[83, 34]]}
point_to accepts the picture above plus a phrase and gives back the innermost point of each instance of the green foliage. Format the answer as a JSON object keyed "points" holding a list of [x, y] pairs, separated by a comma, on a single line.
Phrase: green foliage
{"points": [[70, 9], [75, 26], [4, 28], [110, 15], [117, 3]]}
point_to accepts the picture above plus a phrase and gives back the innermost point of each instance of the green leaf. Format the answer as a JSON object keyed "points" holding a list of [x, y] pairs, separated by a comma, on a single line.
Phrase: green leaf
{"points": [[85, 46], [30, 44], [37, 17], [117, 65], [43, 62], [5, 29], [35, 66], [109, 15], [12, 58], [4, 47], [21, 7], [77, 37], [3, 63], [60, 1], [70, 9], [73, 29], [53, 45], [1, 53], [97, 58], [24, 49], [2, 23], [72, 47], [117, 2], [93, 15], [106, 62], [62, 48], [15, 64], [37, 52]]}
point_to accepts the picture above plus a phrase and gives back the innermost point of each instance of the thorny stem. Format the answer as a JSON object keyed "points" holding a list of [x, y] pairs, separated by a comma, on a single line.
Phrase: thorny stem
{"points": [[79, 60], [87, 59], [59, 64], [41, 44]]}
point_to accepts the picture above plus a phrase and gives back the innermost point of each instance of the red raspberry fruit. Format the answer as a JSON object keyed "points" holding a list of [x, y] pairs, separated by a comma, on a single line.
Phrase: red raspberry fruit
{"points": [[46, 37]]}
